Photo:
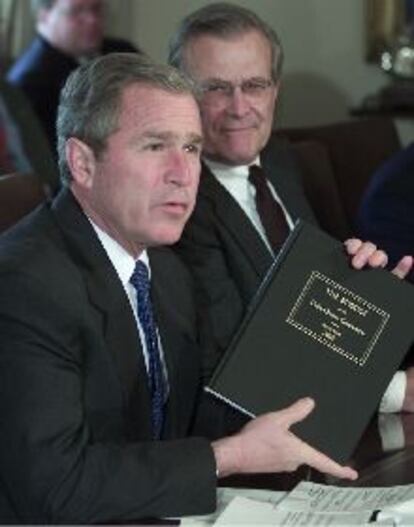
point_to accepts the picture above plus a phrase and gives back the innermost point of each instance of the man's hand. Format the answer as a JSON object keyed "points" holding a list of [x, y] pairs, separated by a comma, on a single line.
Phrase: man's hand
{"points": [[366, 254], [266, 444]]}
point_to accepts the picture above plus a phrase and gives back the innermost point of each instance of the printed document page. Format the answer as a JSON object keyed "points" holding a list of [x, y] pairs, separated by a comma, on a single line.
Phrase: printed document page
{"points": [[326, 498], [316, 504], [226, 495], [244, 511]]}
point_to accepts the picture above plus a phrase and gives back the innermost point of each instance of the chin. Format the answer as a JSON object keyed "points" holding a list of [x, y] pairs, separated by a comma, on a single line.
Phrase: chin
{"points": [[239, 158], [242, 155], [167, 238]]}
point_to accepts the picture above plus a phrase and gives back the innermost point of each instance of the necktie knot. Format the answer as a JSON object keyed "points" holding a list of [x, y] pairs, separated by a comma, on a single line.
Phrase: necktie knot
{"points": [[140, 279], [256, 176]]}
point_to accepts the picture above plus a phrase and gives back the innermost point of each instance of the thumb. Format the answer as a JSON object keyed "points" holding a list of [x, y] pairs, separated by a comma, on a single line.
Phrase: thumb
{"points": [[297, 411], [403, 267]]}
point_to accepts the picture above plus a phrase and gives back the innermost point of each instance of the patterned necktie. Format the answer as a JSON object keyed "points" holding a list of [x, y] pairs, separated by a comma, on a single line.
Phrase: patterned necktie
{"points": [[269, 210], [140, 281]]}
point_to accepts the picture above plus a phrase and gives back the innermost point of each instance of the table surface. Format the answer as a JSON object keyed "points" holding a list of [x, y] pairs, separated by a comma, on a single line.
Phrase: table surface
{"points": [[383, 468], [375, 466]]}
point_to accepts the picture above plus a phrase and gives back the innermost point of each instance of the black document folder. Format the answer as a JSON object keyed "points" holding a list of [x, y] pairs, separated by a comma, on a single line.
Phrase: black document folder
{"points": [[319, 328]]}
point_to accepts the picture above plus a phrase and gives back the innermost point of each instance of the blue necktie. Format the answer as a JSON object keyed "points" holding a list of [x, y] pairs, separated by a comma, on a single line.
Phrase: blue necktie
{"points": [[140, 281]]}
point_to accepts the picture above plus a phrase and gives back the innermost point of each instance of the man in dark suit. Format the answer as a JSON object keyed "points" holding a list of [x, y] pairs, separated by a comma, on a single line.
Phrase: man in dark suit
{"points": [[68, 32], [99, 363], [386, 213], [235, 60]]}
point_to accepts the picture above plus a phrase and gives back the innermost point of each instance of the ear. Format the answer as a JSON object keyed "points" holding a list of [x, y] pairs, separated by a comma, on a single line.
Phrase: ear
{"points": [[81, 161]]}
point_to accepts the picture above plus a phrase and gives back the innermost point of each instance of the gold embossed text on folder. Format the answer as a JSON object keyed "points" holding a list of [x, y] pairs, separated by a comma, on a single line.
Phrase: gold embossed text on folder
{"points": [[338, 318]]}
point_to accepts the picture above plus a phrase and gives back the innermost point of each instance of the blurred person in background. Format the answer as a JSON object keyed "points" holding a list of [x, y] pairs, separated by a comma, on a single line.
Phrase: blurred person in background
{"points": [[68, 32], [23, 145]]}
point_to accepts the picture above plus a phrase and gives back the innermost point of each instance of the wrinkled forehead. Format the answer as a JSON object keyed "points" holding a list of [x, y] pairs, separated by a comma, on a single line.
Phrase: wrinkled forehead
{"points": [[234, 57], [151, 109]]}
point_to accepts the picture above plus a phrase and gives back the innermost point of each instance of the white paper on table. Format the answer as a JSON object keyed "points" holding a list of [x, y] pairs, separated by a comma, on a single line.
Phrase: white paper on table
{"points": [[402, 513], [224, 496], [307, 496], [244, 511]]}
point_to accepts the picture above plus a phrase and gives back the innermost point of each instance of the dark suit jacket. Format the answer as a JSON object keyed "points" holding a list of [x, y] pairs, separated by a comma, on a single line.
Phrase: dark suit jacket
{"points": [[223, 249], [41, 72], [386, 214], [75, 435]]}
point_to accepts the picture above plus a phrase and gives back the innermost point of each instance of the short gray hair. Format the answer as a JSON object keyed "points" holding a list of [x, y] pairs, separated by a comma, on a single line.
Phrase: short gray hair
{"points": [[90, 100], [223, 20]]}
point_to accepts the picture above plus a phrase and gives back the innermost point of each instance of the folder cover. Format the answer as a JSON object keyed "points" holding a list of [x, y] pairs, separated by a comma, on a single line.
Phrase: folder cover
{"points": [[317, 327]]}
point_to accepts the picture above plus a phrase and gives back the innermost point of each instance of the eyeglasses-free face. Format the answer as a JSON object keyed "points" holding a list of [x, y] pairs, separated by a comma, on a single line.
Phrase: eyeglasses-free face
{"points": [[75, 26]]}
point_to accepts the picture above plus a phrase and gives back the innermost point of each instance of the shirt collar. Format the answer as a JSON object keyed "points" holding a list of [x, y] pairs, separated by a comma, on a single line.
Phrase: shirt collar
{"points": [[229, 171], [122, 261]]}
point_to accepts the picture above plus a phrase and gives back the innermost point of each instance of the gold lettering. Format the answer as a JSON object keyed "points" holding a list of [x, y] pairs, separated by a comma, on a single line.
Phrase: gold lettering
{"points": [[353, 328], [332, 293], [353, 306], [331, 330], [325, 310]]}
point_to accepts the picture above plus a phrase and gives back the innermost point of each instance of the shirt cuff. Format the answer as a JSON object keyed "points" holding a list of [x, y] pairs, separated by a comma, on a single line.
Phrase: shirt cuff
{"points": [[391, 432], [393, 398]]}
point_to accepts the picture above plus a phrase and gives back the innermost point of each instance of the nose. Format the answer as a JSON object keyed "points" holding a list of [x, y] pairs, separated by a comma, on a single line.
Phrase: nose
{"points": [[92, 17], [238, 103], [93, 13], [180, 169]]}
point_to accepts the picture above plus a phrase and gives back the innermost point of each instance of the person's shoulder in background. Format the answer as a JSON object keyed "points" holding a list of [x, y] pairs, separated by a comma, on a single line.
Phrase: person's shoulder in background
{"points": [[386, 213]]}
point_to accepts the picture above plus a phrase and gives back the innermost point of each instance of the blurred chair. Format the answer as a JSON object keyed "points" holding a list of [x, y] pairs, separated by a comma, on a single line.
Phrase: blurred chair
{"points": [[321, 188], [19, 194], [33, 141], [337, 161]]}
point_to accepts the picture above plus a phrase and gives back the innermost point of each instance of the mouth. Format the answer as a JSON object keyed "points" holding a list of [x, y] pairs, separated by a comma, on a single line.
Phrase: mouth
{"points": [[175, 208], [239, 129]]}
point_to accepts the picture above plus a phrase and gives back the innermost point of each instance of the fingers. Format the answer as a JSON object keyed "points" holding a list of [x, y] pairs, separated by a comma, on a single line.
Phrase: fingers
{"points": [[308, 455], [324, 464], [296, 412], [352, 245], [403, 267], [365, 253]]}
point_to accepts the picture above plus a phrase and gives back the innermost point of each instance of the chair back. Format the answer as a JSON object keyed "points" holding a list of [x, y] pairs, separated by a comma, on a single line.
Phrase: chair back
{"points": [[353, 150], [19, 195]]}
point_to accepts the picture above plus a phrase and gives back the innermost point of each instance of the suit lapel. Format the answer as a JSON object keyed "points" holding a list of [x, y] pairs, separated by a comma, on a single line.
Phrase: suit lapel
{"points": [[235, 221], [178, 344], [108, 297]]}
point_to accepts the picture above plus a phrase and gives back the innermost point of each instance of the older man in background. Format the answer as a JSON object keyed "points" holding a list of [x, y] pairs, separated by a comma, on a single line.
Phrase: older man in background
{"points": [[250, 190], [68, 32]]}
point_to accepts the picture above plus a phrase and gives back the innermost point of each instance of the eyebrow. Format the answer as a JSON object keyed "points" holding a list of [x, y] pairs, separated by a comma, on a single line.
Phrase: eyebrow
{"points": [[244, 79], [168, 136]]}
